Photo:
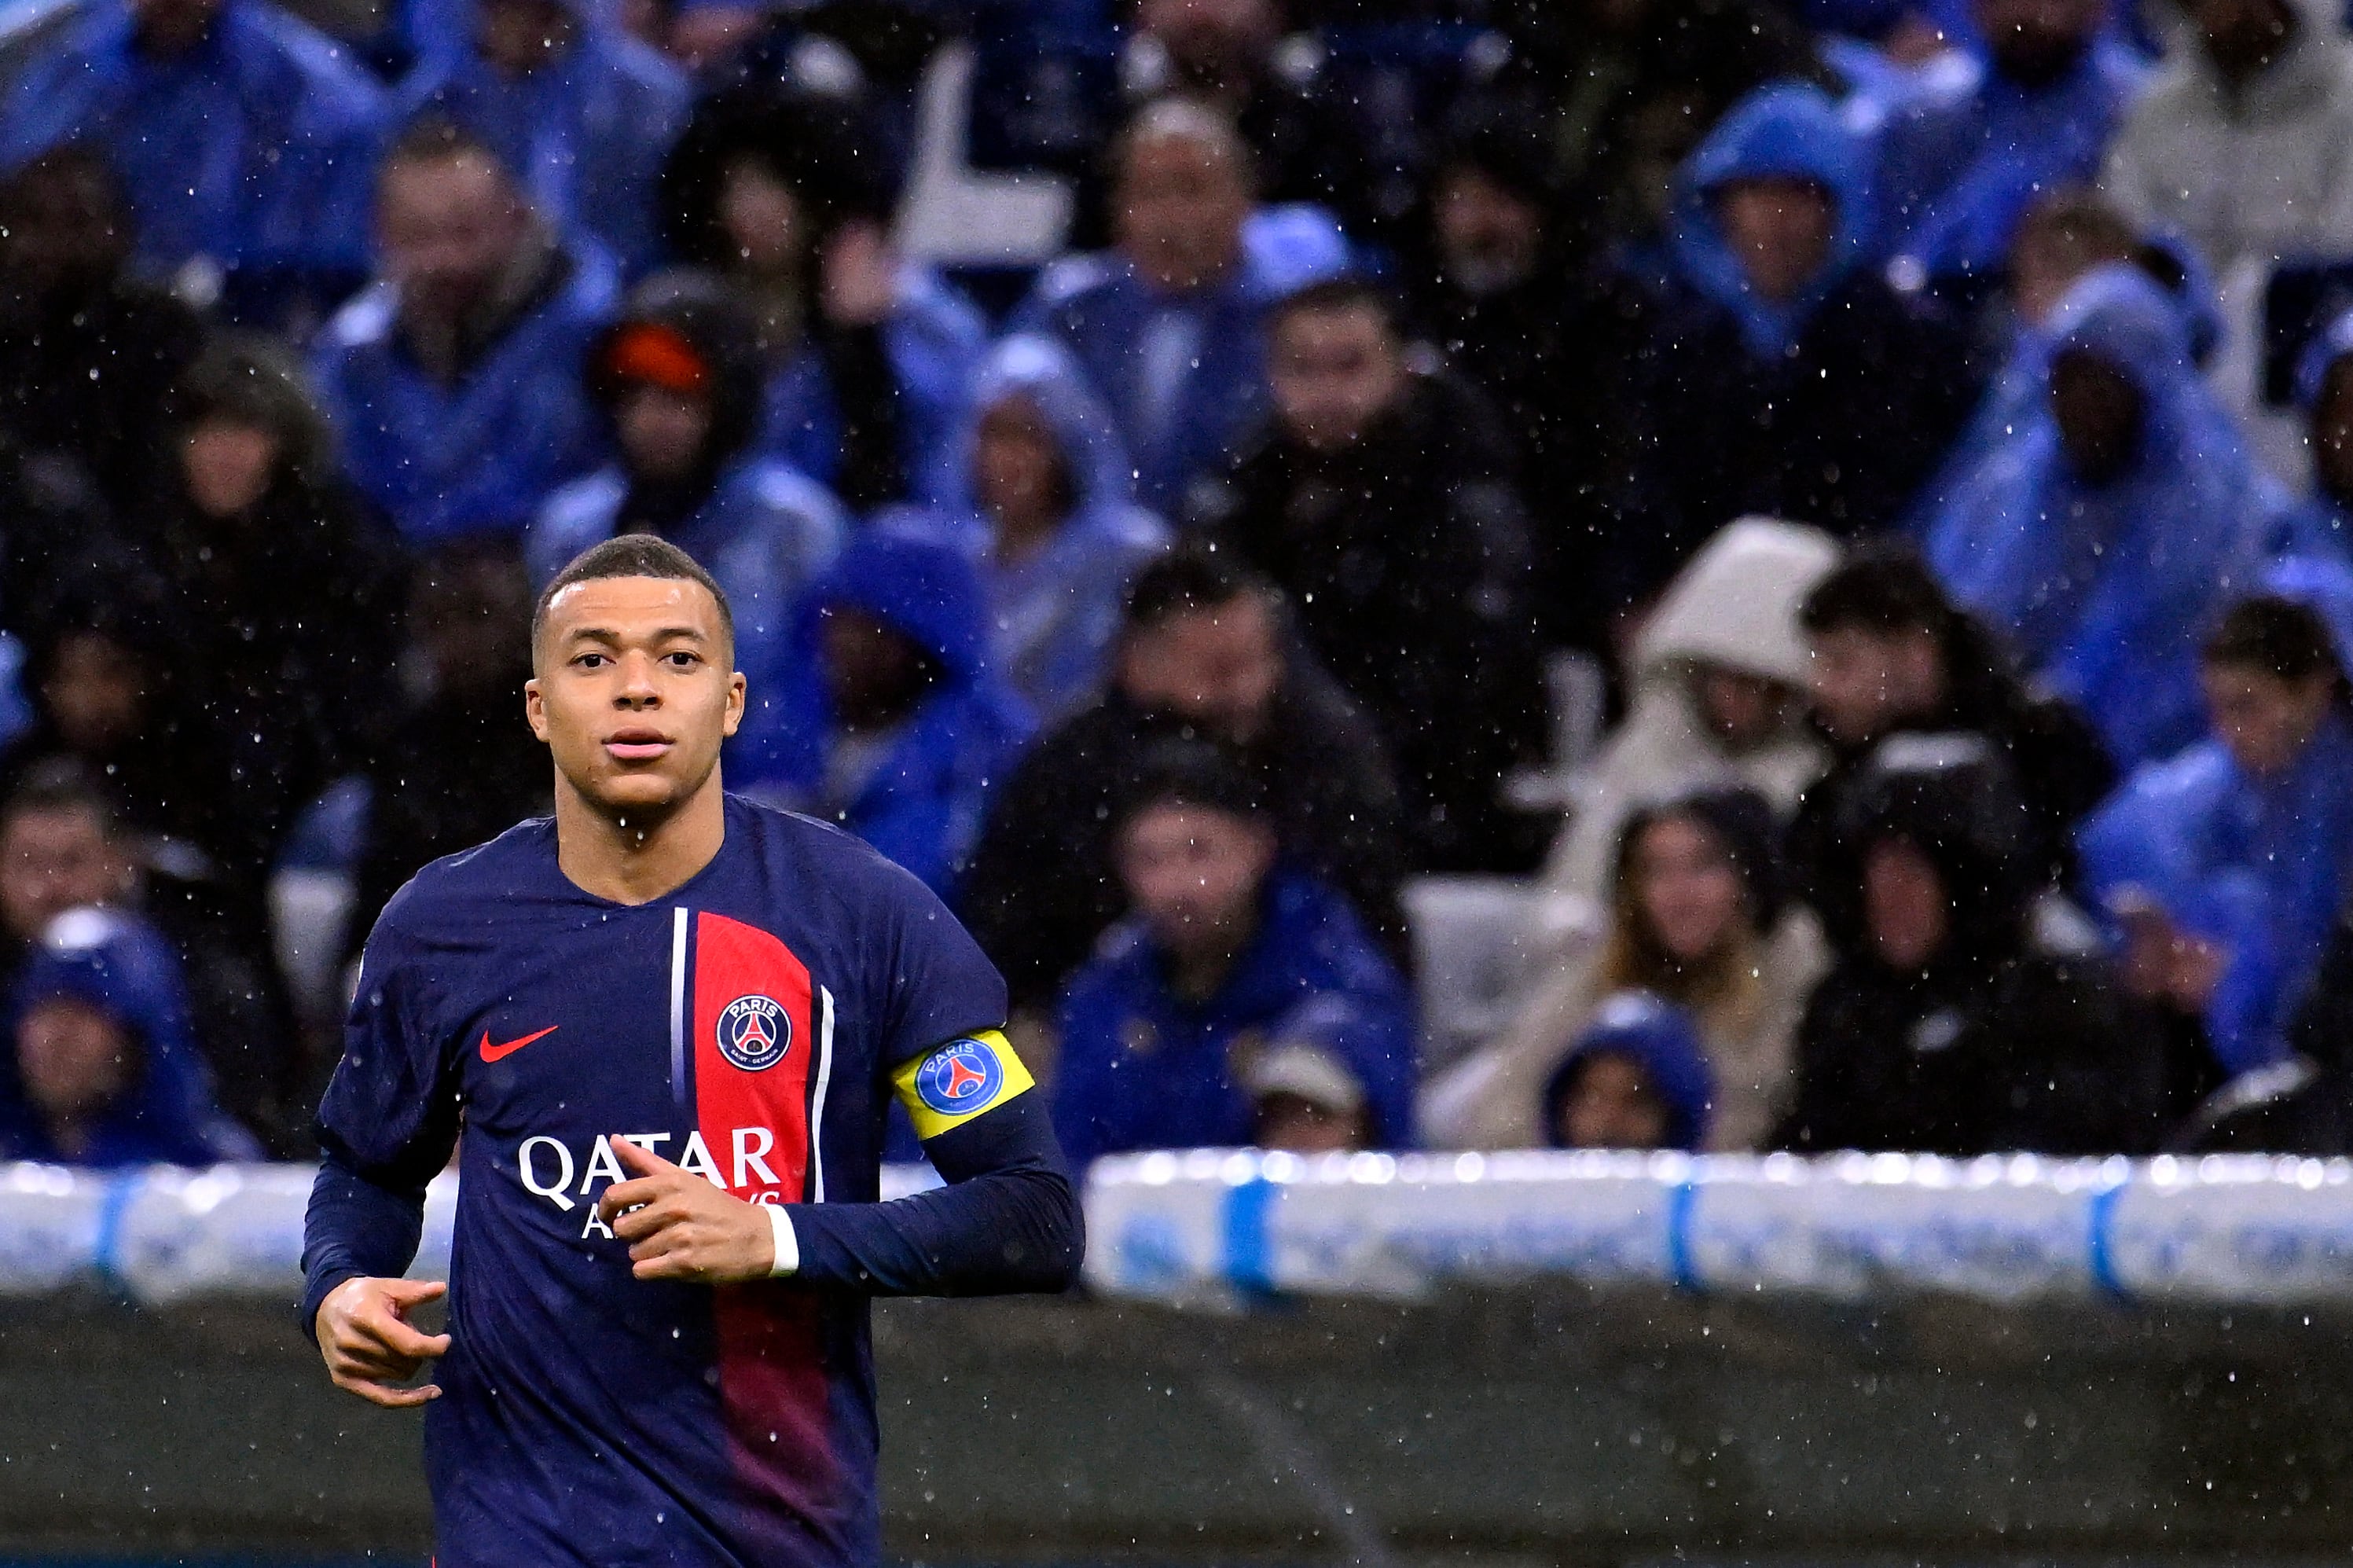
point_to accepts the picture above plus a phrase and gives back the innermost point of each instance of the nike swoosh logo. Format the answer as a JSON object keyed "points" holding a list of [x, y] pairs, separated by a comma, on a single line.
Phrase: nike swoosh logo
{"points": [[492, 1053]]}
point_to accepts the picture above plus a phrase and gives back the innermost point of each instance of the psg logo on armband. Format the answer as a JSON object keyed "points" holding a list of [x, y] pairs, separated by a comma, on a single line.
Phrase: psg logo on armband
{"points": [[959, 1077], [754, 1032]]}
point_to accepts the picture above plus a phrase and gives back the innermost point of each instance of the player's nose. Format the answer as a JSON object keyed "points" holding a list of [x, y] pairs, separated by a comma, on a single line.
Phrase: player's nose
{"points": [[639, 688]]}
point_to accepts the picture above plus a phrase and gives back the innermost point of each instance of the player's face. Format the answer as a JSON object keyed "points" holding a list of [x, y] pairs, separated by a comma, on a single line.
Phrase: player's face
{"points": [[634, 691]]}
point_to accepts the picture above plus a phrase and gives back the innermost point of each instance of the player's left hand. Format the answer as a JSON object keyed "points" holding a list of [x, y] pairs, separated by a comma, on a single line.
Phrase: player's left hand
{"points": [[679, 1225]]}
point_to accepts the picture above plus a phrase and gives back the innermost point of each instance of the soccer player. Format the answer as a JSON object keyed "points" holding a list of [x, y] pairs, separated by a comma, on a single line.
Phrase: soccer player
{"points": [[668, 1021]]}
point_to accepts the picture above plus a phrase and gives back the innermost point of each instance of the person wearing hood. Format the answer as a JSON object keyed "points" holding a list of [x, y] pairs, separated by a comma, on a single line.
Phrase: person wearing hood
{"points": [[1384, 501], [2239, 144], [2322, 525], [1698, 916], [106, 1072], [867, 354], [1951, 1026], [892, 721], [245, 138], [1230, 956], [677, 381], [1635, 1079], [1168, 324], [1891, 656], [2119, 512], [585, 113], [2045, 86], [1720, 677], [453, 381], [1050, 523], [2221, 870], [1781, 373]]}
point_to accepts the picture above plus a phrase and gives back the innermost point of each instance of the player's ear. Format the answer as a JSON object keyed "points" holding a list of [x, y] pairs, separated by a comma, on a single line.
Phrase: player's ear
{"points": [[738, 693], [534, 707]]}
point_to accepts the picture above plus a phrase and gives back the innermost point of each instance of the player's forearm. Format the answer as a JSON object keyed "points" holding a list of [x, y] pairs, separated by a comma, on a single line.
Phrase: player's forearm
{"points": [[354, 1229], [1008, 1223]]}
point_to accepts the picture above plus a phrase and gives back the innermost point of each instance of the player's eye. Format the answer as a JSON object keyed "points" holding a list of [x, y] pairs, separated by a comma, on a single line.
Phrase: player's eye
{"points": [[683, 660], [590, 661]]}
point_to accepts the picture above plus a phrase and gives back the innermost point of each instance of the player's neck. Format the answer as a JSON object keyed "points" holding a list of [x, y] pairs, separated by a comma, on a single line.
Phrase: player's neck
{"points": [[637, 858]]}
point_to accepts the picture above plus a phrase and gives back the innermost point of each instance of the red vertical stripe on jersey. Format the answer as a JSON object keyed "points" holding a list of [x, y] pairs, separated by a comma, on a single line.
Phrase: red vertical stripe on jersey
{"points": [[772, 1382]]}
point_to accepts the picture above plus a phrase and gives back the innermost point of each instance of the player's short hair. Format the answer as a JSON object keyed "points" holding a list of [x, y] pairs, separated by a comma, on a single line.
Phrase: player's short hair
{"points": [[1188, 578], [632, 556], [2277, 636]]}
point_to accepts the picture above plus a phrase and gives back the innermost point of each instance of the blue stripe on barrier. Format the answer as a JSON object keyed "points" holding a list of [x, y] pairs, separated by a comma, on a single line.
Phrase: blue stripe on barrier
{"points": [[1249, 1264], [1681, 1266], [105, 1254], [2100, 1216]]}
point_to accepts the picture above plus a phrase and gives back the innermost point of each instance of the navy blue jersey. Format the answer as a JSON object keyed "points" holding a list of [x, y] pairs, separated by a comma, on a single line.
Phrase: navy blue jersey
{"points": [[750, 1026]]}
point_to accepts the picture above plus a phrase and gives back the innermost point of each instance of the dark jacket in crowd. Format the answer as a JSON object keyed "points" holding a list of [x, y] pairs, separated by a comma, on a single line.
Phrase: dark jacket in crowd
{"points": [[86, 370], [1409, 559], [1042, 888], [2302, 1103], [1998, 1043]]}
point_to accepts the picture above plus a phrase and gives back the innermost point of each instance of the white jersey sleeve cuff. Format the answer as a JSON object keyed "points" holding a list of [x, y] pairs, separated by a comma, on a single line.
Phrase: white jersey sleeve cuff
{"points": [[788, 1246]]}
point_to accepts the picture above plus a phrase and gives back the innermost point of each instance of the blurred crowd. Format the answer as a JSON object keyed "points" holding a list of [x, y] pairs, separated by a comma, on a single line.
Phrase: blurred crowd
{"points": [[1832, 512]]}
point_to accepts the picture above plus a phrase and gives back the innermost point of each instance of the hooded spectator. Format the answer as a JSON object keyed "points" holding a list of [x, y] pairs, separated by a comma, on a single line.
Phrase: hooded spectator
{"points": [[1698, 917], [106, 1069], [1049, 526], [1228, 955], [869, 355], [585, 113], [1720, 677], [2222, 870], [893, 723], [2239, 143], [1168, 324], [1891, 657], [453, 381], [677, 381], [1382, 499], [87, 351], [1950, 1027], [1781, 375], [249, 507], [2101, 532], [1304, 1099], [1204, 651], [246, 139], [2046, 86], [1635, 1079], [63, 846]]}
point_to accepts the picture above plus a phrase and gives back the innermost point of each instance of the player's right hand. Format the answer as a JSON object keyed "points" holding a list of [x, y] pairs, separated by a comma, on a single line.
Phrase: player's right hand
{"points": [[369, 1345]]}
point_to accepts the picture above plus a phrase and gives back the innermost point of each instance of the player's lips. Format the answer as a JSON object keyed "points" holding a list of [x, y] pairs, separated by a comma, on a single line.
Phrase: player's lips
{"points": [[637, 745]]}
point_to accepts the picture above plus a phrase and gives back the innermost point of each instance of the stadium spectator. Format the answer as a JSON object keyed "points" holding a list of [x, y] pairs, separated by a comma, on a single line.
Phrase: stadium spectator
{"points": [[2325, 389], [583, 112], [1382, 499], [282, 588], [1951, 1026], [2122, 508], [454, 769], [2238, 145], [453, 381], [1780, 376], [245, 138], [1697, 917], [869, 354], [2302, 1103], [1204, 650], [678, 381], [2048, 82], [1636, 1078], [63, 846], [88, 351], [1050, 526], [1720, 673], [1168, 324], [1304, 1100], [1228, 952], [106, 1065], [892, 721], [2223, 869], [1892, 656]]}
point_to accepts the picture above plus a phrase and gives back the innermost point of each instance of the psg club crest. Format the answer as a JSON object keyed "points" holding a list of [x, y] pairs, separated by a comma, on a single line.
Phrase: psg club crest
{"points": [[754, 1032], [960, 1077]]}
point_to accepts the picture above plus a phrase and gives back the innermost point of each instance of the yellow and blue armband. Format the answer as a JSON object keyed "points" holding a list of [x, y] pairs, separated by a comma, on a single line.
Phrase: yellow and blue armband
{"points": [[949, 1085]]}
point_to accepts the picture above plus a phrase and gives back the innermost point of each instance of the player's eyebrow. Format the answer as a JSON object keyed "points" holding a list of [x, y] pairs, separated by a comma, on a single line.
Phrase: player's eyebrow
{"points": [[612, 638]]}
